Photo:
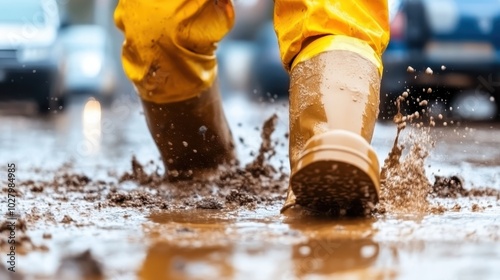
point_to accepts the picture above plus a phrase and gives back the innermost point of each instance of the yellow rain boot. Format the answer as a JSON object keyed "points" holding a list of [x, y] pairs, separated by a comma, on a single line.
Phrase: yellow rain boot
{"points": [[333, 52], [192, 135], [334, 98], [169, 55]]}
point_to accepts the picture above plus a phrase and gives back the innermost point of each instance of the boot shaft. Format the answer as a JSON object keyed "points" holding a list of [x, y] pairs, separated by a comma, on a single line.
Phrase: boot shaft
{"points": [[334, 90]]}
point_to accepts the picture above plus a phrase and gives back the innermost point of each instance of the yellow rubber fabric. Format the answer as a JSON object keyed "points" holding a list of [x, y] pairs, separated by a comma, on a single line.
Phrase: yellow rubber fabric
{"points": [[306, 28], [169, 48]]}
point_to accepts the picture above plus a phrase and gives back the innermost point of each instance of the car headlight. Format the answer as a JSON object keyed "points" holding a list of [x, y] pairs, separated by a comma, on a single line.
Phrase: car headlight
{"points": [[35, 54], [91, 65]]}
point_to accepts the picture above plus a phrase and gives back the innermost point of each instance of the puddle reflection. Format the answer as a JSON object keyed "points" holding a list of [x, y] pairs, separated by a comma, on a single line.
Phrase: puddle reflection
{"points": [[169, 261], [209, 245]]}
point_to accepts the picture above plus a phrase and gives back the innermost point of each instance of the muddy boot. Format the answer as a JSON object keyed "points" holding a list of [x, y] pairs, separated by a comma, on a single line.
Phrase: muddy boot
{"points": [[192, 135], [334, 99]]}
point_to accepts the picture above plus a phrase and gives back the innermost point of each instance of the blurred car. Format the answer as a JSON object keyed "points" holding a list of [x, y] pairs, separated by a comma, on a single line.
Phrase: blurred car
{"points": [[90, 68], [237, 51], [250, 16], [269, 77], [458, 39], [31, 60]]}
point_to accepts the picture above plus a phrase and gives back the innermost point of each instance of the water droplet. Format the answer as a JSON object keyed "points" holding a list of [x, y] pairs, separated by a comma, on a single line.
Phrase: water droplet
{"points": [[202, 130], [368, 251], [304, 250]]}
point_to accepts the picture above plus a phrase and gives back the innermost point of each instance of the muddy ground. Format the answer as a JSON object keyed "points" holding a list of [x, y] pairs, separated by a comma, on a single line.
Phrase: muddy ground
{"points": [[90, 204]]}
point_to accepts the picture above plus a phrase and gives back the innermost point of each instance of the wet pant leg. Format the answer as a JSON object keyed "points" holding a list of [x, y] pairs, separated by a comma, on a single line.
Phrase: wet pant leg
{"points": [[169, 47], [306, 28]]}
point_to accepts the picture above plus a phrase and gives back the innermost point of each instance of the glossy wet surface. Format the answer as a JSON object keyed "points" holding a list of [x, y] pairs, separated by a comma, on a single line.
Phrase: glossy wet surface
{"points": [[457, 238]]}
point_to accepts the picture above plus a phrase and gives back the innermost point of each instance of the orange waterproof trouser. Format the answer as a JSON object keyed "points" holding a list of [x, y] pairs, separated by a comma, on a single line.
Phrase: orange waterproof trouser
{"points": [[169, 48]]}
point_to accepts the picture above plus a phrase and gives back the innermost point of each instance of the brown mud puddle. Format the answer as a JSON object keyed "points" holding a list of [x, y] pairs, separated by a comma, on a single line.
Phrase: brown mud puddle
{"points": [[229, 227], [250, 245]]}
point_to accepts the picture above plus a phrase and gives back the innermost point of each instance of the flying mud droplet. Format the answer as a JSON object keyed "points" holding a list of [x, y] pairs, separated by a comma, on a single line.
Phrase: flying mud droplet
{"points": [[173, 173], [443, 67], [429, 71], [410, 69]]}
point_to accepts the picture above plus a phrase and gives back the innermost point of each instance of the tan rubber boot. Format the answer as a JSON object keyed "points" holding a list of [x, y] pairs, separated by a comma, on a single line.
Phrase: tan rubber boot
{"points": [[334, 99], [192, 135]]}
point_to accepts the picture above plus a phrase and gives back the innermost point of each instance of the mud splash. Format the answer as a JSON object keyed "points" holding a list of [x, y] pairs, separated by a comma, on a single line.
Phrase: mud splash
{"points": [[405, 187], [404, 184], [232, 186]]}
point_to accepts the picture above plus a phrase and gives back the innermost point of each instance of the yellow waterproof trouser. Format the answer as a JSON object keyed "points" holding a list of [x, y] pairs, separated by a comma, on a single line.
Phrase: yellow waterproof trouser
{"points": [[169, 48]]}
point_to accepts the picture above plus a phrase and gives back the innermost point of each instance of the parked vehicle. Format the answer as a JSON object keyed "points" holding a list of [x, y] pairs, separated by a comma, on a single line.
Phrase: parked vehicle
{"points": [[459, 40], [31, 60], [269, 77], [90, 68]]}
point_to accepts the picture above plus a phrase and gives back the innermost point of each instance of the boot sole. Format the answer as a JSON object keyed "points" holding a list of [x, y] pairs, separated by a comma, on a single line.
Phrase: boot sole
{"points": [[337, 179]]}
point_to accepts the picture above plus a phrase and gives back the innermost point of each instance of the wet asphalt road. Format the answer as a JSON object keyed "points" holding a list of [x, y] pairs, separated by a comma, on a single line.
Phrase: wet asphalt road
{"points": [[245, 244]]}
